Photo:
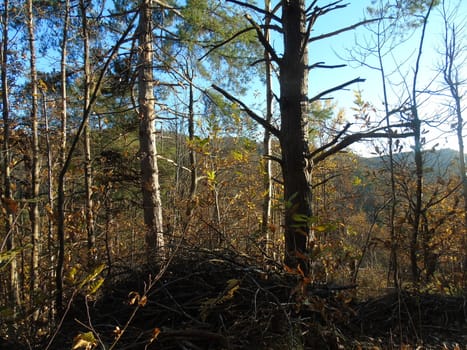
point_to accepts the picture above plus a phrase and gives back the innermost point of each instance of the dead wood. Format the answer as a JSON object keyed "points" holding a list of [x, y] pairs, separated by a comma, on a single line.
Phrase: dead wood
{"points": [[223, 300]]}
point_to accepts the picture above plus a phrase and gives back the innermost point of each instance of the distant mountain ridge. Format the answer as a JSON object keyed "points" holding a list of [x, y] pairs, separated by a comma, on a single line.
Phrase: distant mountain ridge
{"points": [[435, 162]]}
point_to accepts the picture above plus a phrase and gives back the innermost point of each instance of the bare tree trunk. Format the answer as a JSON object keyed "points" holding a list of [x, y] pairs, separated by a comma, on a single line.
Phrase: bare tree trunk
{"points": [[393, 268], [35, 176], [50, 177], [152, 204], [417, 204], [8, 196], [296, 166], [63, 84], [462, 170], [192, 153], [267, 180], [58, 273], [87, 137]]}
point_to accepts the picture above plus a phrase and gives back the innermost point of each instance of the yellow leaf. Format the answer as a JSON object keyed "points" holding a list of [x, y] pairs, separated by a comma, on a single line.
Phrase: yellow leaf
{"points": [[71, 277], [237, 155], [134, 298], [320, 228], [117, 331], [95, 286], [84, 341], [211, 175]]}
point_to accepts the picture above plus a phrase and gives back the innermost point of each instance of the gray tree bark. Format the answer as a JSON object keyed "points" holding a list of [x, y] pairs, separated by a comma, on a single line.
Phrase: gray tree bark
{"points": [[35, 171], [88, 177], [267, 180], [152, 204]]}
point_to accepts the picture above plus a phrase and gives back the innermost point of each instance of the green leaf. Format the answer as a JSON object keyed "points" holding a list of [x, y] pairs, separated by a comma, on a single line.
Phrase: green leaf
{"points": [[92, 275], [7, 256]]}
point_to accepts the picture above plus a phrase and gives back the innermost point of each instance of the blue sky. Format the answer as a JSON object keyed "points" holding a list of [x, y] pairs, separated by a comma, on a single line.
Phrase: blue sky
{"points": [[403, 56], [333, 50]]}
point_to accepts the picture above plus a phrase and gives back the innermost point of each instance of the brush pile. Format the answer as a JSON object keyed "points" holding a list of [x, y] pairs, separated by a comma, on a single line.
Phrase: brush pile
{"points": [[223, 300]]}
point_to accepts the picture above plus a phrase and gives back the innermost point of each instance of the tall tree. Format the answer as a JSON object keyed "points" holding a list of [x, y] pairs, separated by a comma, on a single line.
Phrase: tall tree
{"points": [[417, 204], [383, 46], [35, 171], [196, 32], [62, 159], [296, 163], [63, 82], [191, 139], [396, 23], [152, 204], [454, 59], [7, 197], [297, 159], [87, 132], [267, 206]]}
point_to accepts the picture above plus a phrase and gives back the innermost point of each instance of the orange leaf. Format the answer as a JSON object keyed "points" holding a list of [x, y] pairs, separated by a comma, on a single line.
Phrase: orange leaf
{"points": [[289, 269], [300, 271], [155, 333], [143, 301], [11, 205]]}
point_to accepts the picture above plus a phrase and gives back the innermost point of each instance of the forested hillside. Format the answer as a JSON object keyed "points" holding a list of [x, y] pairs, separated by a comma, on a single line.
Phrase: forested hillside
{"points": [[182, 175]]}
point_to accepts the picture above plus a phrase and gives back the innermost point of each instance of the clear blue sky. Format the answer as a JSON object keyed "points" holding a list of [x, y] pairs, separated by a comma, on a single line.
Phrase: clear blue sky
{"points": [[329, 50]]}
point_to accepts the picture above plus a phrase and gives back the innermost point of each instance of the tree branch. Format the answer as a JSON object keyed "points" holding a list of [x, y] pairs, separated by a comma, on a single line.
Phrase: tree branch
{"points": [[342, 30], [351, 139], [334, 141], [336, 88], [322, 65], [257, 9], [273, 130], [273, 158], [216, 46], [267, 46], [168, 7]]}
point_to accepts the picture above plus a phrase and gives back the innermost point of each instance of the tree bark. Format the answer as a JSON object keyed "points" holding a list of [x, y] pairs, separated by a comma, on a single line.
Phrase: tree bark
{"points": [[87, 138], [63, 85], [267, 177], [417, 204], [152, 204], [296, 166], [35, 171], [62, 162], [192, 152]]}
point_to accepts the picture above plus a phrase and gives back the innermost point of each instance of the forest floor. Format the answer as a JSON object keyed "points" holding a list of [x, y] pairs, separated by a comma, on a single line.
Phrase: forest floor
{"points": [[221, 300]]}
